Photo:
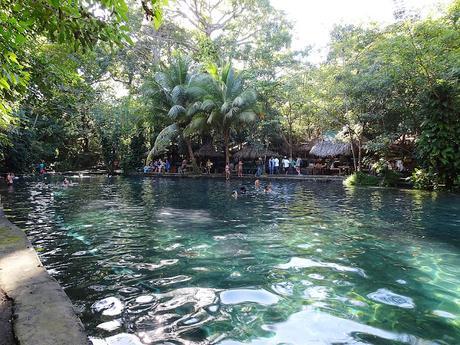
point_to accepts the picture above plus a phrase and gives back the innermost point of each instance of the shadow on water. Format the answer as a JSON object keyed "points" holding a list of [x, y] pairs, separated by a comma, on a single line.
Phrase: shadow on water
{"points": [[182, 261]]}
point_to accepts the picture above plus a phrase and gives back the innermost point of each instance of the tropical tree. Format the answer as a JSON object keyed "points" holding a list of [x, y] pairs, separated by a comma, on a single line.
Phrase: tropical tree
{"points": [[227, 104], [175, 83]]}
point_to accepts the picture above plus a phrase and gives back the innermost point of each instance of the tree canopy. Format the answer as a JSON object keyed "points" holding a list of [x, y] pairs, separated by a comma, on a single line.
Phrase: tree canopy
{"points": [[88, 83]]}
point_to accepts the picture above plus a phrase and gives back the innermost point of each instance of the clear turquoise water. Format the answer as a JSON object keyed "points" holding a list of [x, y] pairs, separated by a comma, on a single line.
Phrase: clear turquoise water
{"points": [[182, 262]]}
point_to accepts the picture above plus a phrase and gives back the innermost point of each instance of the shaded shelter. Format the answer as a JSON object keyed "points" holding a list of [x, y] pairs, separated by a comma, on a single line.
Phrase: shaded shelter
{"points": [[327, 148], [254, 151], [209, 151], [304, 148]]}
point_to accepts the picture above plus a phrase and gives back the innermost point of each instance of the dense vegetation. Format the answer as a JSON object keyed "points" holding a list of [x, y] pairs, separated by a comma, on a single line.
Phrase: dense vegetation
{"points": [[95, 82]]}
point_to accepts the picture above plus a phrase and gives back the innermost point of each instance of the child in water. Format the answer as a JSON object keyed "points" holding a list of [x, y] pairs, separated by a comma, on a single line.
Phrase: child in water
{"points": [[257, 183], [10, 179], [268, 188]]}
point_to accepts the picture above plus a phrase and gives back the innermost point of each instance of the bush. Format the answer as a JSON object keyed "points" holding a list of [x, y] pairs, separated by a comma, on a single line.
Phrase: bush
{"points": [[391, 178], [361, 179], [423, 179]]}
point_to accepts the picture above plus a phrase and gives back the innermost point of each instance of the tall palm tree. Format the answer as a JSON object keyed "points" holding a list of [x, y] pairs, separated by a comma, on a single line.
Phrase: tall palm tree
{"points": [[226, 104], [175, 82]]}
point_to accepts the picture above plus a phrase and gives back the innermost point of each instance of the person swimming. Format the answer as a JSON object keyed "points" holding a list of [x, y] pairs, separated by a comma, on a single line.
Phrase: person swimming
{"points": [[243, 190], [66, 182], [235, 194], [268, 188], [257, 183]]}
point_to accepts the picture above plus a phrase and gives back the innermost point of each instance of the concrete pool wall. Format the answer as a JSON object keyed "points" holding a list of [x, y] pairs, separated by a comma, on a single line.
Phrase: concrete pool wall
{"points": [[42, 312]]}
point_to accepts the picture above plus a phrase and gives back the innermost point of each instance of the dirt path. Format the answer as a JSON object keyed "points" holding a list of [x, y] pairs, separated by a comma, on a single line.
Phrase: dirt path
{"points": [[6, 329]]}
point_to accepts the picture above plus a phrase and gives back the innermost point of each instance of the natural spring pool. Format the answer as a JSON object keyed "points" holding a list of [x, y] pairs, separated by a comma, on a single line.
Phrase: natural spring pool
{"points": [[179, 261]]}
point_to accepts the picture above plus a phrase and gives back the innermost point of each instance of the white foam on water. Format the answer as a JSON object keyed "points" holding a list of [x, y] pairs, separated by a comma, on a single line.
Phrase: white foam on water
{"points": [[109, 306], [259, 296], [119, 339], [297, 262], [388, 297], [444, 314], [110, 325], [144, 299]]}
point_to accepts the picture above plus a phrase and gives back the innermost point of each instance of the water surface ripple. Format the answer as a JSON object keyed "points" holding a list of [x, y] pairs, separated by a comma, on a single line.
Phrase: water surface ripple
{"points": [[163, 261]]}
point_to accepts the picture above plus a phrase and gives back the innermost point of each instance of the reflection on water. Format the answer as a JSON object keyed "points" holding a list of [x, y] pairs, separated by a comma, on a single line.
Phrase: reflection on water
{"points": [[181, 262]]}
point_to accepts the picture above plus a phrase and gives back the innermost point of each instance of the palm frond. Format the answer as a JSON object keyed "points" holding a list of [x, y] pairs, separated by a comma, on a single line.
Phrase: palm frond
{"points": [[208, 105], [176, 111], [163, 141], [225, 107], [198, 124], [163, 79], [247, 116], [194, 109], [178, 95]]}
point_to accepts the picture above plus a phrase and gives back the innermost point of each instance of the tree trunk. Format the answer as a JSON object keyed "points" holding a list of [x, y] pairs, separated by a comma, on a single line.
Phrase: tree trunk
{"points": [[227, 151], [191, 154], [352, 148], [359, 155]]}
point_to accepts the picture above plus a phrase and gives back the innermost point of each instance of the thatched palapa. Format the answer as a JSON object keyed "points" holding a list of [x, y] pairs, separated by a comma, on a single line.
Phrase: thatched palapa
{"points": [[307, 146], [328, 148], [208, 151], [254, 152]]}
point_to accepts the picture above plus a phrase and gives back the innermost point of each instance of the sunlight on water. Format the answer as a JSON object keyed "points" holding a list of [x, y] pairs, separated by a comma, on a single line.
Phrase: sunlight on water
{"points": [[162, 261]]}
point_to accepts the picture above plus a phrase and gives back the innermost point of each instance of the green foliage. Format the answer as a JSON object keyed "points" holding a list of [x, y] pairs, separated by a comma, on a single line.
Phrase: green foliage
{"points": [[75, 24], [423, 179], [390, 178], [134, 157], [361, 179], [438, 146]]}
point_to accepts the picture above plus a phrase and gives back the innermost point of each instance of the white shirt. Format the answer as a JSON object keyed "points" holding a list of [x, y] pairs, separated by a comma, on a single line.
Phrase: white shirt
{"points": [[285, 162], [277, 162]]}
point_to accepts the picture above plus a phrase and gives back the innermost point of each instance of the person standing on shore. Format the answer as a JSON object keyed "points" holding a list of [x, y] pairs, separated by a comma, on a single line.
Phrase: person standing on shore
{"points": [[285, 163], [298, 164], [271, 166], [240, 168], [227, 171], [276, 165]]}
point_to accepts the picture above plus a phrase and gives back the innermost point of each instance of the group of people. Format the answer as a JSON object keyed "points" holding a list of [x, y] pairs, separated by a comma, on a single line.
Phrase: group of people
{"points": [[243, 190], [158, 166], [288, 165]]}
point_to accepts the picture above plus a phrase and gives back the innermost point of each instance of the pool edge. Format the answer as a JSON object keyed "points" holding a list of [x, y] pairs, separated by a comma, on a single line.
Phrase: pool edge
{"points": [[42, 313]]}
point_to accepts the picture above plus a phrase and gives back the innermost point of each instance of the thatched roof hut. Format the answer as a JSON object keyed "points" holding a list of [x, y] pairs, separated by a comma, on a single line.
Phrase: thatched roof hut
{"points": [[327, 148], [208, 151], [254, 152], [307, 146]]}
